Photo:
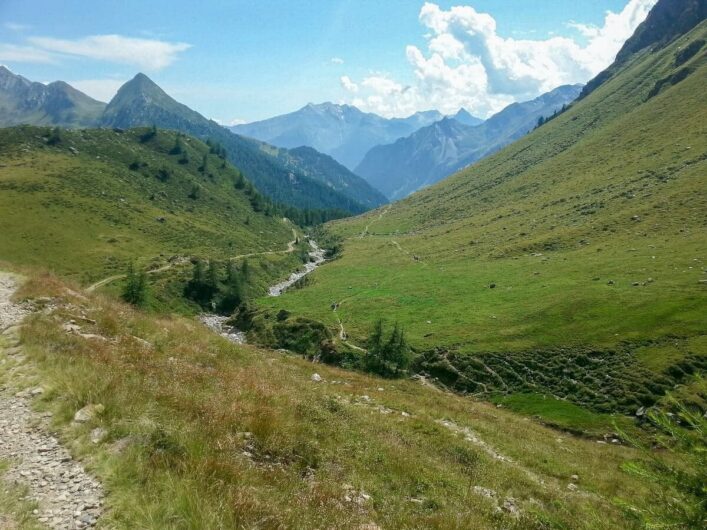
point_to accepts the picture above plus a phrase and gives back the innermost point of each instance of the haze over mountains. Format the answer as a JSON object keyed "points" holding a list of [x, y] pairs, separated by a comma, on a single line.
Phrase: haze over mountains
{"points": [[24, 101], [294, 180], [393, 157], [342, 131], [440, 149]]}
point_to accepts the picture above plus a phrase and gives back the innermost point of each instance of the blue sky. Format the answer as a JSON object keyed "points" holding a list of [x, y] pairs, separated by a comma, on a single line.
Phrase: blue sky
{"points": [[249, 60]]}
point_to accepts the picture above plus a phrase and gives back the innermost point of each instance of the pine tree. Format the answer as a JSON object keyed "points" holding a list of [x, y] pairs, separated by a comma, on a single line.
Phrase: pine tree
{"points": [[135, 290], [233, 293], [54, 136], [178, 146]]}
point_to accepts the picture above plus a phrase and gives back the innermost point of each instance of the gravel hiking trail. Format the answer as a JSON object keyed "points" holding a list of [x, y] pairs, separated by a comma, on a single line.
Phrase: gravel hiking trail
{"points": [[66, 496]]}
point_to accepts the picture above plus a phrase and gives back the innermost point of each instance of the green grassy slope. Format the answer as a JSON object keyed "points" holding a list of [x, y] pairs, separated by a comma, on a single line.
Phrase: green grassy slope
{"points": [[99, 198], [295, 181], [591, 231], [202, 433]]}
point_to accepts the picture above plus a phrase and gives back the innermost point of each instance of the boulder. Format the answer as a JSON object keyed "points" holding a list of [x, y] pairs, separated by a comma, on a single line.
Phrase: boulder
{"points": [[88, 413]]}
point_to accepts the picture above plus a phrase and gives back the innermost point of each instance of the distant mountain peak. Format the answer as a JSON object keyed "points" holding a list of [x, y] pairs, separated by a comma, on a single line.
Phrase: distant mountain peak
{"points": [[438, 150], [342, 131], [34, 103], [141, 83], [465, 117]]}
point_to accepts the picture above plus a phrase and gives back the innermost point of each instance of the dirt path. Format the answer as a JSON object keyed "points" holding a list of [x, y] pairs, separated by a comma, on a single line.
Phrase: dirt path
{"points": [[365, 230], [110, 279], [343, 336], [66, 496]]}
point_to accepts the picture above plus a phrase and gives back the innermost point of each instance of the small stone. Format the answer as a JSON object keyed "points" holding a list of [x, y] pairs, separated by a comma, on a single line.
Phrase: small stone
{"points": [[98, 435], [575, 478], [572, 487], [510, 506], [316, 378], [87, 413]]}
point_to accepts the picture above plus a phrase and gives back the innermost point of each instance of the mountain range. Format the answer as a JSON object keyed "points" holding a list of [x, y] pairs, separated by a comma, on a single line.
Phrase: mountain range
{"points": [[342, 131], [26, 102], [294, 180], [438, 150]]}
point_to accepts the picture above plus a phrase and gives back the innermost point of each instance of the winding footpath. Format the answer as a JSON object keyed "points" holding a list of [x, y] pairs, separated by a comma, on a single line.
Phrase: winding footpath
{"points": [[67, 497], [110, 279]]}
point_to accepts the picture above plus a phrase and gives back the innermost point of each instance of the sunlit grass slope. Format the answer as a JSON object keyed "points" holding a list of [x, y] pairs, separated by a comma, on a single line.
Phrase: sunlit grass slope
{"points": [[588, 233], [202, 433], [90, 201]]}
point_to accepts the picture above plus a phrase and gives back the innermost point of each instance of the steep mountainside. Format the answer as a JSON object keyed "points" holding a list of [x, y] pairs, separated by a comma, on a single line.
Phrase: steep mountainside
{"points": [[87, 202], [24, 101], [324, 168], [570, 263], [342, 131], [433, 152], [141, 102], [667, 20]]}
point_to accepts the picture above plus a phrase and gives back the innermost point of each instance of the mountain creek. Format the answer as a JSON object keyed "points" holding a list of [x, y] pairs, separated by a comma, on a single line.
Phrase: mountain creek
{"points": [[218, 323]]}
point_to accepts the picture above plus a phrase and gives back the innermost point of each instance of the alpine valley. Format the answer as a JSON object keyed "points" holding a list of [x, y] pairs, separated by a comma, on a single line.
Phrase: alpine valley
{"points": [[382, 312]]}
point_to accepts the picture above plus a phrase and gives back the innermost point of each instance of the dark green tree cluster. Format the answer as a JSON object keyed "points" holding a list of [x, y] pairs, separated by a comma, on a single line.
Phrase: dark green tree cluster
{"points": [[54, 136], [135, 291], [387, 357], [301, 217], [178, 148], [542, 120], [149, 134], [216, 148], [214, 291], [163, 174]]}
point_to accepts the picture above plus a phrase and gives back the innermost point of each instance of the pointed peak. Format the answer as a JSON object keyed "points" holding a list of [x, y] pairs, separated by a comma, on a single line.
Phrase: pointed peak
{"points": [[140, 84], [465, 117], [141, 79]]}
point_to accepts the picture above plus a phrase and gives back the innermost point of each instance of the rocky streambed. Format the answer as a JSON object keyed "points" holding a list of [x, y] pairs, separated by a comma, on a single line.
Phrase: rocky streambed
{"points": [[218, 323], [316, 256]]}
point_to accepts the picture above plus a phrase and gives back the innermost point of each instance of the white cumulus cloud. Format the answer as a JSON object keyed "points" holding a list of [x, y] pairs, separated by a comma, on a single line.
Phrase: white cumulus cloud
{"points": [[348, 85], [149, 54], [467, 63]]}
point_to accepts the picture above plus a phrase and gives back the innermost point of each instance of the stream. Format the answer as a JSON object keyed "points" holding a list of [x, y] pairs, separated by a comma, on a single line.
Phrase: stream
{"points": [[218, 324], [316, 256]]}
